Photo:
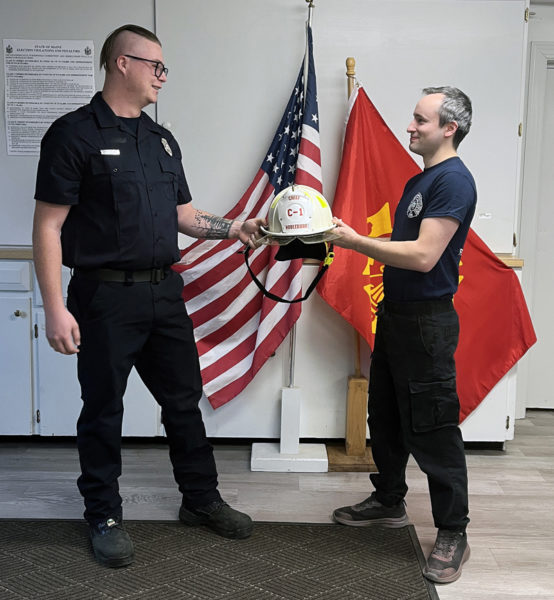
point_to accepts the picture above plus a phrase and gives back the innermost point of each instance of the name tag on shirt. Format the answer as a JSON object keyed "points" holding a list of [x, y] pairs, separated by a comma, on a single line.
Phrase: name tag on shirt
{"points": [[110, 152]]}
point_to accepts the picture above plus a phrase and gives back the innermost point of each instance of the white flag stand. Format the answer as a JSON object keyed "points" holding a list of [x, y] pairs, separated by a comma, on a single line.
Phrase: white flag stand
{"points": [[289, 455]]}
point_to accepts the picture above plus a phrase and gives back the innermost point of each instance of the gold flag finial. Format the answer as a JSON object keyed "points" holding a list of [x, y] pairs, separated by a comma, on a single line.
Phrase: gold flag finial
{"points": [[350, 74]]}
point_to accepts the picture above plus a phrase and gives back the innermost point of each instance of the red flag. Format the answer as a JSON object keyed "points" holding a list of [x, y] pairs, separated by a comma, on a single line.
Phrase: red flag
{"points": [[372, 175], [495, 326], [236, 327]]}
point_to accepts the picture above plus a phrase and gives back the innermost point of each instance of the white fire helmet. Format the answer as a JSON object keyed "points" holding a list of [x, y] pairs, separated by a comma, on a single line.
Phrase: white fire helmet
{"points": [[298, 212], [301, 223]]}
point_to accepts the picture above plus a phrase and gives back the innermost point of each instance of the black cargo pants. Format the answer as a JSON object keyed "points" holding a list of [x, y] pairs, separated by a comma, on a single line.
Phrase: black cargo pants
{"points": [[414, 407]]}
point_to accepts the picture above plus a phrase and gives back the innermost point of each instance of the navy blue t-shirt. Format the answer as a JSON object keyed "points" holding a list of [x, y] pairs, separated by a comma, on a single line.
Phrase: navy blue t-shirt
{"points": [[443, 190]]}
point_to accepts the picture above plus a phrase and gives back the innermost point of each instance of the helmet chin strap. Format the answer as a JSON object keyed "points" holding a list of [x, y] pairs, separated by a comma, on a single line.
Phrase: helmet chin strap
{"points": [[326, 262], [301, 223]]}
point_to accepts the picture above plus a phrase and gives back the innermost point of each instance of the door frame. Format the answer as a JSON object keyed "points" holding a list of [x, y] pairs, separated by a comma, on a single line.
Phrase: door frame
{"points": [[542, 53]]}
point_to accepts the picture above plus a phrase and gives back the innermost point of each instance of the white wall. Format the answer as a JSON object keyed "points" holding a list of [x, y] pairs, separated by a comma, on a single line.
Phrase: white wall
{"points": [[64, 20], [232, 68], [249, 51], [232, 65]]}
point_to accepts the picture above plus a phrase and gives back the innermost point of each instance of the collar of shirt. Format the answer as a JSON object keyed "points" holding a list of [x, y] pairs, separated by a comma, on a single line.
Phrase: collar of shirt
{"points": [[107, 118]]}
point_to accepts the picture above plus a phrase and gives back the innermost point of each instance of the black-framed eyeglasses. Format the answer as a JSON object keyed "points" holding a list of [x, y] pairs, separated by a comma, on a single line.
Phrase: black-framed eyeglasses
{"points": [[159, 67]]}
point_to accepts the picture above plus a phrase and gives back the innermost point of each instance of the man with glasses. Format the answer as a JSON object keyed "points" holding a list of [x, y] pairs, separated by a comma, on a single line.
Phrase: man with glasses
{"points": [[111, 196], [159, 67]]}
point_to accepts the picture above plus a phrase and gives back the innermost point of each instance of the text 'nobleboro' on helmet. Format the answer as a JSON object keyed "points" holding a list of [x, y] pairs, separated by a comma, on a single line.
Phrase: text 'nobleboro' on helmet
{"points": [[298, 212]]}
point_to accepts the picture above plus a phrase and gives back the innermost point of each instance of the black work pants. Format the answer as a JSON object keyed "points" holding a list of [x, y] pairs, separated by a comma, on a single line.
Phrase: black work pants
{"points": [[143, 325], [414, 407]]}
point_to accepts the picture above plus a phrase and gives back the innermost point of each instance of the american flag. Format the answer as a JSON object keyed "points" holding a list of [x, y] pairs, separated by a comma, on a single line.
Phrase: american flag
{"points": [[236, 327]]}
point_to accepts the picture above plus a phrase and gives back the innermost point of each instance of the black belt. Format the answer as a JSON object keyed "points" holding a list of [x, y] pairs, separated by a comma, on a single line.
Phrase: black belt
{"points": [[128, 277], [424, 307]]}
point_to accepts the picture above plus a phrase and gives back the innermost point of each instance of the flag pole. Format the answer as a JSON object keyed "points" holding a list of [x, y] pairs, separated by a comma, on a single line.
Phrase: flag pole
{"points": [[355, 456], [292, 337], [310, 9], [351, 82], [298, 457], [292, 348], [290, 455]]}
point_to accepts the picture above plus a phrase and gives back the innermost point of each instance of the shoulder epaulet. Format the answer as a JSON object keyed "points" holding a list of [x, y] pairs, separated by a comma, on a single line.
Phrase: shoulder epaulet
{"points": [[153, 126]]}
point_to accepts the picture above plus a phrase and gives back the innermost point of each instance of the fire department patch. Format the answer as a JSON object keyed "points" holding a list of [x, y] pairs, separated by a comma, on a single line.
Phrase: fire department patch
{"points": [[415, 206]]}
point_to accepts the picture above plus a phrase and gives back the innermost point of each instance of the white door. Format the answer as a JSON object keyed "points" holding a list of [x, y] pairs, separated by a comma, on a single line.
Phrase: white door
{"points": [[537, 230], [59, 395], [16, 399]]}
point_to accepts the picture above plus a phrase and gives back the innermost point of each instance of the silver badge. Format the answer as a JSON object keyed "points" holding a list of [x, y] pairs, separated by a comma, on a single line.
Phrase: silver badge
{"points": [[166, 147], [415, 206]]}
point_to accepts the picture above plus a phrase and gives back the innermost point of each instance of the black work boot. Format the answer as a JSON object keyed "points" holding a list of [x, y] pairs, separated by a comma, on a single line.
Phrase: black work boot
{"points": [[111, 544], [372, 512], [450, 552], [219, 517]]}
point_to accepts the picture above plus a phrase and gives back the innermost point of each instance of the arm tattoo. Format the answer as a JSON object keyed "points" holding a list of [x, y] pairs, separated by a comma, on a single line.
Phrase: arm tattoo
{"points": [[211, 227]]}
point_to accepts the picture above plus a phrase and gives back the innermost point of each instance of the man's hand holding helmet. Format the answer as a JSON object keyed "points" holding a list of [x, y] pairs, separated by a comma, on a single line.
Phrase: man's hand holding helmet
{"points": [[345, 236], [248, 232]]}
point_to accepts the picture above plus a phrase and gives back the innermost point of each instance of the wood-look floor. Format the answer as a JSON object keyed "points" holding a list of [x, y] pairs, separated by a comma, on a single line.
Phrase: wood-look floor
{"points": [[511, 500]]}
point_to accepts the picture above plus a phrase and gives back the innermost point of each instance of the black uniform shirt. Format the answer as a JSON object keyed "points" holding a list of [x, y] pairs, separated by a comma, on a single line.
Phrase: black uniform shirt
{"points": [[123, 188]]}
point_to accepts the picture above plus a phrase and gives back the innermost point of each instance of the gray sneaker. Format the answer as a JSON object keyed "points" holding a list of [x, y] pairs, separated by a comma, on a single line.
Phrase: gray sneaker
{"points": [[450, 552], [370, 512], [219, 517], [111, 544]]}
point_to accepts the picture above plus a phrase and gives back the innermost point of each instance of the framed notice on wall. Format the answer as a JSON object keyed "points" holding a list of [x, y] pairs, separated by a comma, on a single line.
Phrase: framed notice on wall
{"points": [[44, 79]]}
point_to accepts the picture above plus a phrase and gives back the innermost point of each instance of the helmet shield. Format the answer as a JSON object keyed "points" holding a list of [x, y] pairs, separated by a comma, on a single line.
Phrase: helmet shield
{"points": [[298, 249]]}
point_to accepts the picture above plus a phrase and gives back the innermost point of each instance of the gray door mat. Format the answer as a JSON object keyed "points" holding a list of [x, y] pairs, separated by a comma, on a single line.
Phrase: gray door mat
{"points": [[52, 560]]}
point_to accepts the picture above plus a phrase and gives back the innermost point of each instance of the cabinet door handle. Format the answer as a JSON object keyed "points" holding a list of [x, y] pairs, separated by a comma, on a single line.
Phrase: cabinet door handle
{"points": [[18, 313]]}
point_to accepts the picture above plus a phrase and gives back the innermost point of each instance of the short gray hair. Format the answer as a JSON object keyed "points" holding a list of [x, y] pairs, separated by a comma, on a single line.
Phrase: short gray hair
{"points": [[456, 106]]}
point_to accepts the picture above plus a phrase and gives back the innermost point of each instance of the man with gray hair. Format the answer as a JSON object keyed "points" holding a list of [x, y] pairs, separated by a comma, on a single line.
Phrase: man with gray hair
{"points": [[413, 403]]}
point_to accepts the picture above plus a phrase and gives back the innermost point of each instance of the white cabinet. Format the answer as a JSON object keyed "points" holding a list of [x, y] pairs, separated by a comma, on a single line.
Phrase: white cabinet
{"points": [[58, 393], [56, 385], [40, 392], [39, 389], [16, 399], [493, 419], [16, 404]]}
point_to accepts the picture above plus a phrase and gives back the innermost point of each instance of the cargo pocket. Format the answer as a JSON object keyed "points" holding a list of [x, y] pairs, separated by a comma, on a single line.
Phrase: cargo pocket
{"points": [[434, 404]]}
